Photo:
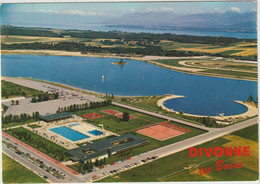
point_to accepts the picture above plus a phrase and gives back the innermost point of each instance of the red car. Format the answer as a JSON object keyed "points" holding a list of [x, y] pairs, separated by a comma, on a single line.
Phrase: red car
{"points": [[128, 158], [113, 163]]}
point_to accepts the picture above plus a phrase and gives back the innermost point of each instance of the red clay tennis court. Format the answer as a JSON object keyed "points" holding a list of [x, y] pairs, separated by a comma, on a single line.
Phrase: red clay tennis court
{"points": [[160, 132], [111, 112], [130, 117], [92, 115]]}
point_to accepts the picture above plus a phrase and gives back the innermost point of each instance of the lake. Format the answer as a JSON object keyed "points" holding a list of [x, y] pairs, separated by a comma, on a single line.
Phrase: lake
{"points": [[203, 95], [103, 27]]}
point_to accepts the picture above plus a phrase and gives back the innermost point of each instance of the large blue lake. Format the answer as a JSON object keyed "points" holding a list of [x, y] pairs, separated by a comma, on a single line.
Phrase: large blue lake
{"points": [[203, 95]]}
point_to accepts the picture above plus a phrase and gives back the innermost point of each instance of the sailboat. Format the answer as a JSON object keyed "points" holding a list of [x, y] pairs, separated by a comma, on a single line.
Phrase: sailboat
{"points": [[103, 77]]}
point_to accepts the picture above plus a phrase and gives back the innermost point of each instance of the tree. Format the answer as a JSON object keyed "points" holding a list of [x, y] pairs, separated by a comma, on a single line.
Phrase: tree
{"points": [[125, 116], [12, 102], [24, 94], [17, 102]]}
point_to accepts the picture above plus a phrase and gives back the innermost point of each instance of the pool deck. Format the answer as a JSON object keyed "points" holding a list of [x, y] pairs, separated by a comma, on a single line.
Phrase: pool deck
{"points": [[251, 110], [82, 127]]}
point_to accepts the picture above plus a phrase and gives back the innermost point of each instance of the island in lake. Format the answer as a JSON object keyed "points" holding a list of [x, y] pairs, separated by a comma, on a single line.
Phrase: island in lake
{"points": [[121, 62]]}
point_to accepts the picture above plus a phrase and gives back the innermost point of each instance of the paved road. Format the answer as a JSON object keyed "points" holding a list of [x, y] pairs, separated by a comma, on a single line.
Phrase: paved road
{"points": [[163, 116], [69, 176], [176, 147], [161, 152], [28, 164]]}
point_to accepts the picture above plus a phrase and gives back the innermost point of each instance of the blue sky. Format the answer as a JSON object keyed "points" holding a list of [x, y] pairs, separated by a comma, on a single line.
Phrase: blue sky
{"points": [[82, 13]]}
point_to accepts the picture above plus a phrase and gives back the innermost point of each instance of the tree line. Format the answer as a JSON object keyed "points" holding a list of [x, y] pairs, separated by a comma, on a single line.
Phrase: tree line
{"points": [[85, 106], [20, 118], [28, 137], [44, 97], [148, 50]]}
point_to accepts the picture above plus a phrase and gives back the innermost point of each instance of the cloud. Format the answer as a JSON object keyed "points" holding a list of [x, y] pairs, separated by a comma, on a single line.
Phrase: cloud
{"points": [[235, 9], [70, 12]]}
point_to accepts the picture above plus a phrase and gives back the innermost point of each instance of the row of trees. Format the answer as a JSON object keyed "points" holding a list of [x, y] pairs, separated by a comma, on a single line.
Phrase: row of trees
{"points": [[28, 137], [44, 97], [85, 106], [20, 118]]}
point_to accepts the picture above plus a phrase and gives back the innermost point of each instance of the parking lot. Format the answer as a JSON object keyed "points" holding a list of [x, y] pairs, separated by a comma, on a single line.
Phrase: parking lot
{"points": [[66, 98]]}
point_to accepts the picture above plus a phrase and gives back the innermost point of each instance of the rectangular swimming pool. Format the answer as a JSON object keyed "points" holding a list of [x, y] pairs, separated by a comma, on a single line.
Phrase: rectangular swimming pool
{"points": [[95, 132], [69, 133]]}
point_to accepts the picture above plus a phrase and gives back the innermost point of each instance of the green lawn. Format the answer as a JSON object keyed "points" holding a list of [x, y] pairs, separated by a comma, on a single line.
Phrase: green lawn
{"points": [[160, 170], [10, 89], [248, 133], [13, 172], [231, 73], [45, 146], [119, 126]]}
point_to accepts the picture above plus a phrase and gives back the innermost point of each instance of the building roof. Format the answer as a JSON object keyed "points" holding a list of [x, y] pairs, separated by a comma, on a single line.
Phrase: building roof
{"points": [[101, 148], [53, 117]]}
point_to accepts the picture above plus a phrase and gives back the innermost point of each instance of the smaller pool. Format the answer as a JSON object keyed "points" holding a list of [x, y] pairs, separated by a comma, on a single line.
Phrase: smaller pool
{"points": [[69, 133], [73, 124], [95, 132]]}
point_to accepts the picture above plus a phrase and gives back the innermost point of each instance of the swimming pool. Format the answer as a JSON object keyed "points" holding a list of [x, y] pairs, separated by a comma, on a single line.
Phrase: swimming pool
{"points": [[69, 133], [95, 132], [73, 124]]}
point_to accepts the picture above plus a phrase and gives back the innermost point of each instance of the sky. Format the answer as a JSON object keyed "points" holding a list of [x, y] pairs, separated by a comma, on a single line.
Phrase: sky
{"points": [[91, 13]]}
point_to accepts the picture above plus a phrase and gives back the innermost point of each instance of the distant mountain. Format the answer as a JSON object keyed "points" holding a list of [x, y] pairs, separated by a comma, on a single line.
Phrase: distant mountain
{"points": [[229, 21]]}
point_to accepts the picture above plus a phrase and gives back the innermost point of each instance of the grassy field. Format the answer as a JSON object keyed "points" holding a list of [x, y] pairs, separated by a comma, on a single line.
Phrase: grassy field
{"points": [[49, 147], [161, 169], [118, 126], [10, 89], [13, 172], [230, 73], [248, 133]]}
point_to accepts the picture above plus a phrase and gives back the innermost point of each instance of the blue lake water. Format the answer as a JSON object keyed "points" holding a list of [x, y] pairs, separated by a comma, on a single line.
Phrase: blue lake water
{"points": [[203, 95], [69, 133], [103, 27]]}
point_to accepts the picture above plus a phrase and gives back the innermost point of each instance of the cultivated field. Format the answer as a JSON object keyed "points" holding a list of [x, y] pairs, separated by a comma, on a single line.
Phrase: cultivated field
{"points": [[239, 49]]}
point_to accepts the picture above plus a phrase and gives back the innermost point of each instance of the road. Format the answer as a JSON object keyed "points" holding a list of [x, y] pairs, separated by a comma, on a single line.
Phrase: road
{"points": [[163, 116], [176, 147], [52, 105], [212, 133], [68, 178]]}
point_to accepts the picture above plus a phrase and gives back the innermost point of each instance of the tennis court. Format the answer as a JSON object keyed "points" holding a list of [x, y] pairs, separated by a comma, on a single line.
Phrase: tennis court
{"points": [[160, 132]]}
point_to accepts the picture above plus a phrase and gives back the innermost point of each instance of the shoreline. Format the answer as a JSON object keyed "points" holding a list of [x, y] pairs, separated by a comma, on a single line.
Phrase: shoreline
{"points": [[251, 111], [148, 59]]}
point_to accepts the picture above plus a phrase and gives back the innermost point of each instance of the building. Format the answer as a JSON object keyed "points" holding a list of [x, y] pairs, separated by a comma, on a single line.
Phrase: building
{"points": [[106, 148], [55, 117]]}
